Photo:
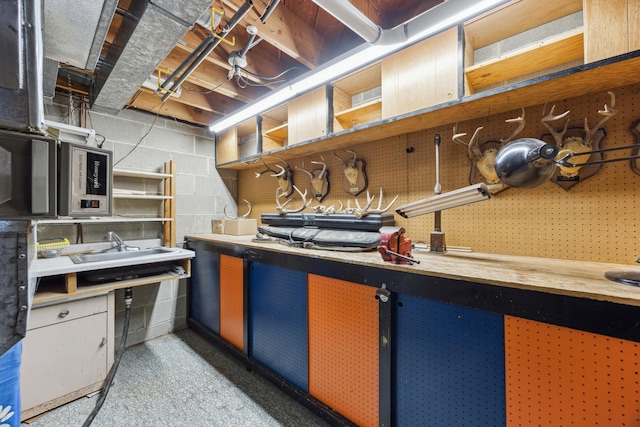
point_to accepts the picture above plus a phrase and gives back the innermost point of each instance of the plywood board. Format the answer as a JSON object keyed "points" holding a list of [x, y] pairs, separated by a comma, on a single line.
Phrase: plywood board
{"points": [[422, 75], [308, 116], [516, 17], [227, 146], [606, 28]]}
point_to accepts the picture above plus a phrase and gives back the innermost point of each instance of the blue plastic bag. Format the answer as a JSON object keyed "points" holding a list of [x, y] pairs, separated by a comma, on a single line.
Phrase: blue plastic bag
{"points": [[10, 386]]}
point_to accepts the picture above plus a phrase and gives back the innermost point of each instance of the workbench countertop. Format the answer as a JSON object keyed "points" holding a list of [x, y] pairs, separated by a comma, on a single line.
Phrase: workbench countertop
{"points": [[582, 279]]}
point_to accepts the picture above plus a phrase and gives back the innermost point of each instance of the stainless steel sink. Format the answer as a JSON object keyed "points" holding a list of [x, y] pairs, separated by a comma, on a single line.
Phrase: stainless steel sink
{"points": [[110, 256]]}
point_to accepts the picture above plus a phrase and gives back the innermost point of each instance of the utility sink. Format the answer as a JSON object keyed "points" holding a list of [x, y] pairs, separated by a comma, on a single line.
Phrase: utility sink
{"points": [[111, 256]]}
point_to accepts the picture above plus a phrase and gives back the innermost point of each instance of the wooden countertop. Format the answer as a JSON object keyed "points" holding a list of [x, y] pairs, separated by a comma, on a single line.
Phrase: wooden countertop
{"points": [[581, 279]]}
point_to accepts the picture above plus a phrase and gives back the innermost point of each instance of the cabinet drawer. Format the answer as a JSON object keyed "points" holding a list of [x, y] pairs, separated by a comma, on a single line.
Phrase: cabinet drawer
{"points": [[52, 314]]}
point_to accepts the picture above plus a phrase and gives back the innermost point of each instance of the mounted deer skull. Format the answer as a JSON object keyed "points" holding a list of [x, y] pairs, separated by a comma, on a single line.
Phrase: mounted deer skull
{"points": [[580, 142], [284, 177], [354, 179], [319, 179], [483, 158]]}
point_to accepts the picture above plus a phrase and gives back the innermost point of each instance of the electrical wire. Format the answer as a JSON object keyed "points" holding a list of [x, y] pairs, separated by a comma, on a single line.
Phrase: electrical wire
{"points": [[204, 92], [243, 82], [143, 136], [128, 298], [270, 78]]}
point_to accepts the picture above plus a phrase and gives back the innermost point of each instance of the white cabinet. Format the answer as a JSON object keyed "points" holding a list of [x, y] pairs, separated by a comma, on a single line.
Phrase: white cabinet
{"points": [[67, 352]]}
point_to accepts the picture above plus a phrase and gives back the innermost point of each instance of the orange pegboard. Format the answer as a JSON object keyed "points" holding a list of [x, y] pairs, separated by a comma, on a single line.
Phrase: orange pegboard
{"points": [[597, 220], [557, 376], [343, 348], [231, 300]]}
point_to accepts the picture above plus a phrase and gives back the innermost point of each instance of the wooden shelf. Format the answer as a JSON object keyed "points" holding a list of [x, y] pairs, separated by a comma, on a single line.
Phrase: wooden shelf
{"points": [[101, 220], [140, 174], [141, 196], [59, 290], [279, 133], [367, 112], [514, 18], [597, 76], [548, 53]]}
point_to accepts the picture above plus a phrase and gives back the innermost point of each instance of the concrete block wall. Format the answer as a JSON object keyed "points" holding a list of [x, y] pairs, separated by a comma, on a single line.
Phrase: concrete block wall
{"points": [[144, 142]]}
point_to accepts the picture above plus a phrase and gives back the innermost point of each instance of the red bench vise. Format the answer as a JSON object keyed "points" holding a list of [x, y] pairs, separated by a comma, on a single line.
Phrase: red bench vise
{"points": [[395, 247]]}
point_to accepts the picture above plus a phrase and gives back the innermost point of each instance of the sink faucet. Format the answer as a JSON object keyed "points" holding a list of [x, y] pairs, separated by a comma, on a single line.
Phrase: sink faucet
{"points": [[120, 245]]}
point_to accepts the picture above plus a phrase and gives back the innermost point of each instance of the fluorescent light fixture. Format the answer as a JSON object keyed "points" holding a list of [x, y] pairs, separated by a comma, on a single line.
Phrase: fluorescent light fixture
{"points": [[440, 202], [437, 19], [70, 133], [331, 70]]}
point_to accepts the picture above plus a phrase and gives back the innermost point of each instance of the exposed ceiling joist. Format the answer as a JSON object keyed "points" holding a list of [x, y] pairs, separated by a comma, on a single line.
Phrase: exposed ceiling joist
{"points": [[147, 38]]}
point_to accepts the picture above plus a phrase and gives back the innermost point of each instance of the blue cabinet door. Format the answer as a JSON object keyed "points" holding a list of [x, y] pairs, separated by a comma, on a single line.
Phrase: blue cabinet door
{"points": [[448, 365], [204, 290], [278, 322]]}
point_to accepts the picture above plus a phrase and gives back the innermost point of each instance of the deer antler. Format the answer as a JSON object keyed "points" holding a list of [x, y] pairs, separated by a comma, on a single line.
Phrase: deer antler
{"points": [[351, 163], [361, 212], [324, 166], [281, 208], [268, 169], [547, 118], [607, 113], [304, 170], [282, 172], [472, 145], [241, 217], [521, 123], [380, 209]]}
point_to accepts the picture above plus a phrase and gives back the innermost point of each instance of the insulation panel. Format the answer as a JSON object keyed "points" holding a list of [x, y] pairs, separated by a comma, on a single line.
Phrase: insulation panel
{"points": [[343, 347]]}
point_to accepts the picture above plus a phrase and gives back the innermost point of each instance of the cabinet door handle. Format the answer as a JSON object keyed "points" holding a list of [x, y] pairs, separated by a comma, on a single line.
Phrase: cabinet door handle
{"points": [[103, 342], [63, 314]]}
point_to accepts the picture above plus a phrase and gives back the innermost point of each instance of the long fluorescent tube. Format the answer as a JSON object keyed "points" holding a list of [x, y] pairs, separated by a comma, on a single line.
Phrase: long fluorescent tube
{"points": [[440, 202], [439, 18], [331, 70]]}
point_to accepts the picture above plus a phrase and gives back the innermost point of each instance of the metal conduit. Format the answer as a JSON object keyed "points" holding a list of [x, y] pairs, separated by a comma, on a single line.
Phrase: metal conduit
{"points": [[206, 49], [350, 16]]}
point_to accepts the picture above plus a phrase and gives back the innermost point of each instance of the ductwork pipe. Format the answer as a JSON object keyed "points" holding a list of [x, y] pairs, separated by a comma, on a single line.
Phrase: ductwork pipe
{"points": [[350, 16]]}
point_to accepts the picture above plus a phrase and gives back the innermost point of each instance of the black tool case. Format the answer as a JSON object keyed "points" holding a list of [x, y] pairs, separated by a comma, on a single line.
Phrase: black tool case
{"points": [[371, 222]]}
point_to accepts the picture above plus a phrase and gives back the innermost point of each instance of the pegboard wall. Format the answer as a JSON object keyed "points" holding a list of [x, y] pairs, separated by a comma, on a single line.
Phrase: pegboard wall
{"points": [[558, 376], [596, 220], [343, 358]]}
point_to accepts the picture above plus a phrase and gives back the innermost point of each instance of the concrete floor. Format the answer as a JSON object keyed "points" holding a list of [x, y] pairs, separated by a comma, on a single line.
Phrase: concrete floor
{"points": [[182, 380]]}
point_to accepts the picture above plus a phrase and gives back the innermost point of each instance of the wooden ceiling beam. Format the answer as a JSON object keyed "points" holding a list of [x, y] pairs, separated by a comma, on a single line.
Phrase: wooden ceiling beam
{"points": [[286, 31], [209, 76], [257, 61], [193, 96], [151, 103]]}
